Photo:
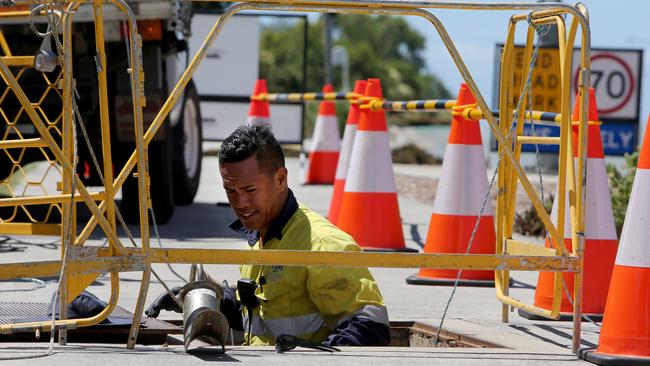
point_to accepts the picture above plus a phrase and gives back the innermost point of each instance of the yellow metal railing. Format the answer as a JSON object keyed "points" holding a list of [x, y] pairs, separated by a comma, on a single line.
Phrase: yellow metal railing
{"points": [[510, 255]]}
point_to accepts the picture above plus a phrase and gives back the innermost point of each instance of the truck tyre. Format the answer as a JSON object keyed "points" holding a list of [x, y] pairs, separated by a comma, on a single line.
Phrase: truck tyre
{"points": [[162, 197], [188, 152]]}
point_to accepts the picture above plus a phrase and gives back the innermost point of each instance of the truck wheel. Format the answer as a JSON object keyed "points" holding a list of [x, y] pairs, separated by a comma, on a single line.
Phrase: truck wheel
{"points": [[162, 197], [188, 152]]}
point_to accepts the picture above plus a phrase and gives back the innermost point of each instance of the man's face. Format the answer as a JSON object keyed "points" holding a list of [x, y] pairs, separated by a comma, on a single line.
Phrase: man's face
{"points": [[256, 196]]}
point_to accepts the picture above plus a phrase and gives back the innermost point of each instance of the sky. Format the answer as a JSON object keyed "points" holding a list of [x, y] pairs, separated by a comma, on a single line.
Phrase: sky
{"points": [[614, 24], [618, 24]]}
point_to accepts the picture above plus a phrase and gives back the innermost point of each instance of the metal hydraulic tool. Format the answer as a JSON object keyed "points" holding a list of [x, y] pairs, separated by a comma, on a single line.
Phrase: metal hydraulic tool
{"points": [[202, 317]]}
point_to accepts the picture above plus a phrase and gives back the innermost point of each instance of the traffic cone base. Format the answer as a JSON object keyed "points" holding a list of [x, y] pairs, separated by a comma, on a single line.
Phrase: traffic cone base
{"points": [[390, 248], [592, 297], [598, 270], [461, 193], [451, 234], [373, 210], [611, 360], [564, 317], [623, 332], [624, 337]]}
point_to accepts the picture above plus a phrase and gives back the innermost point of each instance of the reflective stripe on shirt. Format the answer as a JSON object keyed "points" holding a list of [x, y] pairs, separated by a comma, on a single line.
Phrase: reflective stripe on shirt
{"points": [[295, 325], [377, 314]]}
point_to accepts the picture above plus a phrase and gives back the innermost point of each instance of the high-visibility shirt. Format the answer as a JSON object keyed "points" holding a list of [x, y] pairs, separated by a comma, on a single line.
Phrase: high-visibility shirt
{"points": [[309, 302]]}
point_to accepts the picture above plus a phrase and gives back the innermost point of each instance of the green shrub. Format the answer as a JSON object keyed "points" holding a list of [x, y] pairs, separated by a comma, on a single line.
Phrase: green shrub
{"points": [[528, 222], [620, 185], [412, 154]]}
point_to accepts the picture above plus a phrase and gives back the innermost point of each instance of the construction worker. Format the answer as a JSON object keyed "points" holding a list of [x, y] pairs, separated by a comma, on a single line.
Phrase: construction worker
{"points": [[320, 304], [336, 306]]}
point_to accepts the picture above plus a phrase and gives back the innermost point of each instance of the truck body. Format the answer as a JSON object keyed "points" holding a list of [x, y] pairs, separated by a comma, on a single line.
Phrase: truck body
{"points": [[174, 154]]}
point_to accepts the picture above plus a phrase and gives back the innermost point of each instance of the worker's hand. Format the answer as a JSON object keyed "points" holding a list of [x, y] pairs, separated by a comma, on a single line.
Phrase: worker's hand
{"points": [[164, 301], [231, 308]]}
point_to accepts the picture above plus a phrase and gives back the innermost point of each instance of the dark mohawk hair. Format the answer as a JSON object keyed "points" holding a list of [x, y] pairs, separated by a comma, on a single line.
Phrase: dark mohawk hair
{"points": [[253, 139]]}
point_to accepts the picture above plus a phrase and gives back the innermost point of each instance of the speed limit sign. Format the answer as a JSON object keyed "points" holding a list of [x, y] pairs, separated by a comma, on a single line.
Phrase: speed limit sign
{"points": [[615, 75], [616, 78]]}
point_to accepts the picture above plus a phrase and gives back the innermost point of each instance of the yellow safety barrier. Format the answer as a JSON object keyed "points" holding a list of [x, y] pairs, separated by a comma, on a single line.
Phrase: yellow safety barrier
{"points": [[29, 204], [510, 254], [511, 174]]}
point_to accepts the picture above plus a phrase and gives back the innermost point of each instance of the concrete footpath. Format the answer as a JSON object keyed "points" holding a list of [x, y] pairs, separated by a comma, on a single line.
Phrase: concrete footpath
{"points": [[473, 312]]}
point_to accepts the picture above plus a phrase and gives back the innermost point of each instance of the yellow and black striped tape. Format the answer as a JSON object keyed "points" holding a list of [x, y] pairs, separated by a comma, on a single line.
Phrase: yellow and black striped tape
{"points": [[304, 97]]}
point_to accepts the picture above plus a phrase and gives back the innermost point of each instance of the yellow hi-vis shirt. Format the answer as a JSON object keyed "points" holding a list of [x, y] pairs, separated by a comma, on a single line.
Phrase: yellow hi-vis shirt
{"points": [[310, 302]]}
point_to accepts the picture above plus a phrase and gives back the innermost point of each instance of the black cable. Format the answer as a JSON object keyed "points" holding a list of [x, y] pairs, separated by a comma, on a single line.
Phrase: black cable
{"points": [[250, 323]]}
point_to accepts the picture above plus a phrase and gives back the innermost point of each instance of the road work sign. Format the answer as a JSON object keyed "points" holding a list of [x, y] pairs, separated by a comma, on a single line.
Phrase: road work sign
{"points": [[545, 80], [616, 77]]}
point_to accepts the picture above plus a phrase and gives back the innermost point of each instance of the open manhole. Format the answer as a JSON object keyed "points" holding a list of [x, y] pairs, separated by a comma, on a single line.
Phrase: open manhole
{"points": [[154, 331], [404, 334], [415, 334]]}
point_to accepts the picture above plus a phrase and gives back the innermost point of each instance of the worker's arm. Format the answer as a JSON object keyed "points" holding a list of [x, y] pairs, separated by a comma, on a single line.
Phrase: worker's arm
{"points": [[164, 301], [350, 301], [359, 331]]}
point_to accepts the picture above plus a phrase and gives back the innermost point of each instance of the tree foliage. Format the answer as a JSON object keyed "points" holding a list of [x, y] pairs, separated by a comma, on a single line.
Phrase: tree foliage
{"points": [[528, 222], [621, 180], [620, 183], [378, 46]]}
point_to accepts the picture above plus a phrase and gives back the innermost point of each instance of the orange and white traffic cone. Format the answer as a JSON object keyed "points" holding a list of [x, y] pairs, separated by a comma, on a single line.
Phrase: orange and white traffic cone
{"points": [[600, 232], [461, 192], [326, 145], [346, 152], [259, 109], [369, 209], [625, 334]]}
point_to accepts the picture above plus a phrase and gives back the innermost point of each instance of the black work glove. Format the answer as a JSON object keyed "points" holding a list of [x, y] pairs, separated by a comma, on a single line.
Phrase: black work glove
{"points": [[164, 301], [231, 308]]}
